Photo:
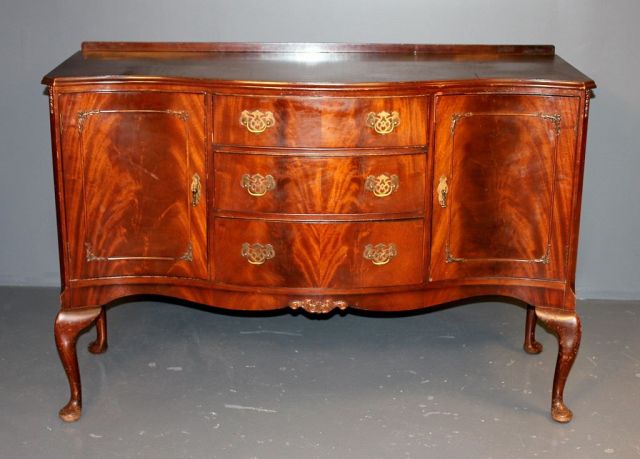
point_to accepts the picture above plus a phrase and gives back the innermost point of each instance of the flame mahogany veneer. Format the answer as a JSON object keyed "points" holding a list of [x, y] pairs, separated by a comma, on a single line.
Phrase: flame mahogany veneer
{"points": [[319, 177]]}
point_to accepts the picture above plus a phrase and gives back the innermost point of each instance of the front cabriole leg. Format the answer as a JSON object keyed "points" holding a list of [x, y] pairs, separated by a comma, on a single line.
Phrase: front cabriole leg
{"points": [[68, 326], [566, 326]]}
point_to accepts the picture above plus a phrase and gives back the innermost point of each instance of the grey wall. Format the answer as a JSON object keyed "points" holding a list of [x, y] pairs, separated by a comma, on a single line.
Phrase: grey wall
{"points": [[596, 36]]}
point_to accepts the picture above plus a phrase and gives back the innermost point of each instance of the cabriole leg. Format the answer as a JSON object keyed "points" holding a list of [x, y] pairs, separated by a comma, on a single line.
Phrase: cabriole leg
{"points": [[100, 344], [67, 327], [566, 326], [531, 346]]}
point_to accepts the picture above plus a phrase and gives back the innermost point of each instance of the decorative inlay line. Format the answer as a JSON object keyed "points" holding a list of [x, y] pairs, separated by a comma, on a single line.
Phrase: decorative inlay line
{"points": [[84, 115], [545, 259], [555, 118], [186, 256]]}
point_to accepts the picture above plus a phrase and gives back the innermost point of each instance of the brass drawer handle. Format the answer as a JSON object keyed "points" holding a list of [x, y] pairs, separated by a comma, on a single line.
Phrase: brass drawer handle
{"points": [[380, 254], [257, 253], [257, 121], [443, 191], [257, 184], [196, 190], [383, 122], [382, 185]]}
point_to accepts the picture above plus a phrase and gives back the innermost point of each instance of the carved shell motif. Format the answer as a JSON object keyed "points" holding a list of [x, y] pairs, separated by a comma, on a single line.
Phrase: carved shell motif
{"points": [[318, 305]]}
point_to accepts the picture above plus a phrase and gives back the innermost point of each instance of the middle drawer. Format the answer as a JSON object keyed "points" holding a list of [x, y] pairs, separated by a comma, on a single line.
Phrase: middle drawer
{"points": [[320, 185]]}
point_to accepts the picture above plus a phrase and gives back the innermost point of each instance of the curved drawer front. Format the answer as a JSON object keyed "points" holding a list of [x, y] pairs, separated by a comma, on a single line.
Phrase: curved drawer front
{"points": [[320, 185], [318, 255], [320, 122]]}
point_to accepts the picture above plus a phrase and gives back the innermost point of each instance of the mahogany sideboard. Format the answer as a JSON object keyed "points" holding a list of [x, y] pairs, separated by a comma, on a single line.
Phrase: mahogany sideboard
{"points": [[318, 177]]}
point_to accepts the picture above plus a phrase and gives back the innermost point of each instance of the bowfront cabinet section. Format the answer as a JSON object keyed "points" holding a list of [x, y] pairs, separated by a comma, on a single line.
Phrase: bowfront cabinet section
{"points": [[134, 184], [502, 185]]}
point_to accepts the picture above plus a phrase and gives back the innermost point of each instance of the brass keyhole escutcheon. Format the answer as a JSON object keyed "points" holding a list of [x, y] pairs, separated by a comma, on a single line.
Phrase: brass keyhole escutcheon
{"points": [[443, 191], [196, 190]]}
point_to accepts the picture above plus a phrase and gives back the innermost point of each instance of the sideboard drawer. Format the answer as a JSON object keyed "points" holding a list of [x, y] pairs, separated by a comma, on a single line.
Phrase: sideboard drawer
{"points": [[320, 185], [320, 122], [329, 255]]}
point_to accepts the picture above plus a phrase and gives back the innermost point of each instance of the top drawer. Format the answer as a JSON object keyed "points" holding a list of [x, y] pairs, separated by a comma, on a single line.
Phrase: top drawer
{"points": [[320, 122]]}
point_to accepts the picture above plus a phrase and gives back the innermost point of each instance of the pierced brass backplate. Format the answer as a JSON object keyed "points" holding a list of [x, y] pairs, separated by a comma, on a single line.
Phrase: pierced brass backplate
{"points": [[380, 254], [257, 253], [257, 184], [257, 121], [383, 122], [382, 185]]}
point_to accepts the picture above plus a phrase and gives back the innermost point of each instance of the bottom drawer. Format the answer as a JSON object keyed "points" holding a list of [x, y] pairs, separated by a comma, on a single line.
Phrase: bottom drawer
{"points": [[318, 255]]}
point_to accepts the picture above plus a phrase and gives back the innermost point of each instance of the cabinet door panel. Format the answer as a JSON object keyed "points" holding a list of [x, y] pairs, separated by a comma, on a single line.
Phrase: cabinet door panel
{"points": [[131, 161], [502, 186]]}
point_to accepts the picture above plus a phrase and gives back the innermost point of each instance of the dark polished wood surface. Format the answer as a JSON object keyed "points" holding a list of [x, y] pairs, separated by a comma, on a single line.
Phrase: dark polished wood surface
{"points": [[319, 255], [311, 184], [128, 163], [318, 177], [320, 63], [513, 154], [320, 122]]}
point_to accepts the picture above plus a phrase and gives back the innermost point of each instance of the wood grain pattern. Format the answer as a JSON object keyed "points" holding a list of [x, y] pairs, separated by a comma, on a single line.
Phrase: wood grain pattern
{"points": [[129, 159], [320, 122], [320, 185], [566, 325], [508, 160], [324, 255], [68, 326]]}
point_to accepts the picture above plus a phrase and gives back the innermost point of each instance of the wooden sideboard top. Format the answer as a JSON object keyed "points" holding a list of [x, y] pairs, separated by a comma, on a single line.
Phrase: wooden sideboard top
{"points": [[321, 64]]}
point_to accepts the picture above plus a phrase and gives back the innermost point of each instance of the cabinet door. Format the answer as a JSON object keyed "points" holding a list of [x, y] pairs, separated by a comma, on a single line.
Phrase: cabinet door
{"points": [[134, 184], [502, 186]]}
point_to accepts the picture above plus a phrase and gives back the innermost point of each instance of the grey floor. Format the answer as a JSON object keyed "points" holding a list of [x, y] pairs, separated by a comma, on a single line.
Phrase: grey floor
{"points": [[180, 381]]}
